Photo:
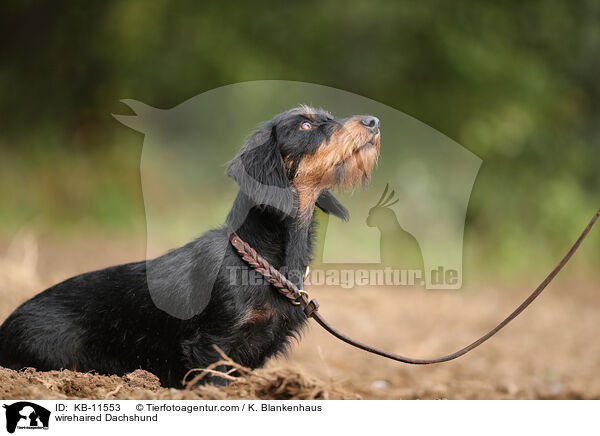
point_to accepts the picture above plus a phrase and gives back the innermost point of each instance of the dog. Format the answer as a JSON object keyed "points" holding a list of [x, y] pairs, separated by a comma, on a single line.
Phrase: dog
{"points": [[108, 321]]}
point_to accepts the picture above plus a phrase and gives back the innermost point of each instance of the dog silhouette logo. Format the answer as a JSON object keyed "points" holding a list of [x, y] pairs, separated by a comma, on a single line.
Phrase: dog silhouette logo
{"points": [[26, 415], [186, 146]]}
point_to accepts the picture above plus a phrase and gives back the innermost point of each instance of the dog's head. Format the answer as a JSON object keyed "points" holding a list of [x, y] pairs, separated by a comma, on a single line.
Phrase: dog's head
{"points": [[293, 160]]}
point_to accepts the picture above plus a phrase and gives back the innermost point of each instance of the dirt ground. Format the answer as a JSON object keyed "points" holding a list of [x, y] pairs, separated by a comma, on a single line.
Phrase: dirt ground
{"points": [[549, 352]]}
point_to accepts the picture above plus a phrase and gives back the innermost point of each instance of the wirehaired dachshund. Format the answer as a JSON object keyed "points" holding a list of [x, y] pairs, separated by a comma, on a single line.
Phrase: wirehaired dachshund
{"points": [[164, 315]]}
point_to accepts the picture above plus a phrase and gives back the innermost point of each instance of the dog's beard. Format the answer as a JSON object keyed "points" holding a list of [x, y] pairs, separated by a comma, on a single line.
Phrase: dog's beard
{"points": [[346, 161], [355, 170]]}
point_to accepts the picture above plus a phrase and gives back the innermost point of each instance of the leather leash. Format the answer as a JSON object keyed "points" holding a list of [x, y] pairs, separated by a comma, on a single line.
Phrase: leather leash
{"points": [[301, 298]]}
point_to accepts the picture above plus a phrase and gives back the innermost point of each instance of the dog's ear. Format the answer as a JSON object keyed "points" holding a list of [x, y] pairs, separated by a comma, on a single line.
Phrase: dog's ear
{"points": [[259, 171], [329, 204]]}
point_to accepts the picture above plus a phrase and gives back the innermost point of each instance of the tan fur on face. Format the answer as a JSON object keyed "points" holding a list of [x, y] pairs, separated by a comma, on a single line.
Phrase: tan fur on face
{"points": [[318, 170]]}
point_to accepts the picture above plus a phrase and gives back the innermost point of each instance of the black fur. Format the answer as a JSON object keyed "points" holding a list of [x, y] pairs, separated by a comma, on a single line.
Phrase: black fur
{"points": [[109, 321]]}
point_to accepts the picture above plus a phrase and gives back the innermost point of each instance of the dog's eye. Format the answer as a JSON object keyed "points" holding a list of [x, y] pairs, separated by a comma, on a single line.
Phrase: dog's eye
{"points": [[306, 126]]}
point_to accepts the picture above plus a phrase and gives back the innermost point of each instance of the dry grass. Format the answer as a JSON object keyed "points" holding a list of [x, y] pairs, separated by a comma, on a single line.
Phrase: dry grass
{"points": [[551, 351]]}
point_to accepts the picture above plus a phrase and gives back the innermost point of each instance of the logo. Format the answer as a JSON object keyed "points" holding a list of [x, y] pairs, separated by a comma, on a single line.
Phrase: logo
{"points": [[405, 228], [26, 415]]}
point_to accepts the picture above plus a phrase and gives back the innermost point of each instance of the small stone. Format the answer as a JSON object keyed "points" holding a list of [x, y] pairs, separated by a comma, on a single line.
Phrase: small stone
{"points": [[380, 385], [508, 388], [556, 388]]}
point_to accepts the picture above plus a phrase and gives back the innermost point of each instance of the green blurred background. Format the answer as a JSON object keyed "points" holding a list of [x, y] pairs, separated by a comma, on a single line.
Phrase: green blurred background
{"points": [[516, 83]]}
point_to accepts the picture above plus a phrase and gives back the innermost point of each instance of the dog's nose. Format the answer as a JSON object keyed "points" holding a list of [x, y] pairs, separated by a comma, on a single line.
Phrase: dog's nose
{"points": [[371, 123]]}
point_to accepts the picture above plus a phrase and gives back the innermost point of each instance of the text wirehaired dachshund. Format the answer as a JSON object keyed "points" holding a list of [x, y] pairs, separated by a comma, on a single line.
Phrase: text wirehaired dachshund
{"points": [[118, 319]]}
